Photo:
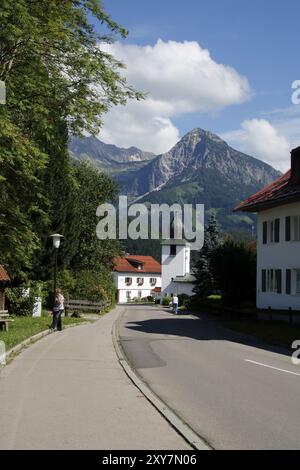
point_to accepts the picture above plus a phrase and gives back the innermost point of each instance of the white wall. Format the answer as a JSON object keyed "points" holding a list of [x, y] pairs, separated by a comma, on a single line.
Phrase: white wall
{"points": [[182, 288], [173, 266], [283, 255], [145, 289]]}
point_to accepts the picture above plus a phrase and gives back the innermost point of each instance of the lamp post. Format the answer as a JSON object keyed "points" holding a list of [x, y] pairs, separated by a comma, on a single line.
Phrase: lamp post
{"points": [[56, 239]]}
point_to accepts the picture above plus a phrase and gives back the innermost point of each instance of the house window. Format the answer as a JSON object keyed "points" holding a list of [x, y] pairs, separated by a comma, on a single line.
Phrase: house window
{"points": [[295, 228], [128, 281], [288, 281], [265, 233], [271, 231], [271, 280], [173, 250], [152, 281], [140, 281]]}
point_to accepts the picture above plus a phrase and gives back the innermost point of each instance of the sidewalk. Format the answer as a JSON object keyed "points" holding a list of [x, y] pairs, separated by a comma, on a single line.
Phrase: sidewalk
{"points": [[68, 391]]}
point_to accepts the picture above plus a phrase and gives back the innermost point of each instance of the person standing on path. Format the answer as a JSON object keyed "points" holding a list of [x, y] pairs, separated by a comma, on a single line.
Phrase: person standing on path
{"points": [[175, 304], [57, 310]]}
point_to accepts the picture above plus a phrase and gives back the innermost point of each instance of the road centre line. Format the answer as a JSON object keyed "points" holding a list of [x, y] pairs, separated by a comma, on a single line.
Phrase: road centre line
{"points": [[272, 367]]}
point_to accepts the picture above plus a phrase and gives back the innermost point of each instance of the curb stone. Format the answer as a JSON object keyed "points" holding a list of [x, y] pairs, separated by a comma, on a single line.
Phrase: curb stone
{"points": [[195, 441]]}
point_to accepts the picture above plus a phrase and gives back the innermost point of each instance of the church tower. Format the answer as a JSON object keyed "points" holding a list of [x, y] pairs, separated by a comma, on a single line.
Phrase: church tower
{"points": [[175, 264]]}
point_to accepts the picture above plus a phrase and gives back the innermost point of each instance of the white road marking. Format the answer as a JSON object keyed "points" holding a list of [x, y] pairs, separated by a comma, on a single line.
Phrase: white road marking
{"points": [[272, 367]]}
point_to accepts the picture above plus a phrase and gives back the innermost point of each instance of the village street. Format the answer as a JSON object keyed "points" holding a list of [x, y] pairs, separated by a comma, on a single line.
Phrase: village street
{"points": [[69, 391], [204, 372]]}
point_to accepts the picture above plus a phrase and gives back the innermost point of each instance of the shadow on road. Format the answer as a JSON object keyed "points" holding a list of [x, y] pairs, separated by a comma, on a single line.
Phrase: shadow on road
{"points": [[201, 329]]}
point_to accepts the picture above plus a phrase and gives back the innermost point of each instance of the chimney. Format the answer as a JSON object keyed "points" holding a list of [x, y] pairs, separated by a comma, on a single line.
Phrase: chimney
{"points": [[295, 166]]}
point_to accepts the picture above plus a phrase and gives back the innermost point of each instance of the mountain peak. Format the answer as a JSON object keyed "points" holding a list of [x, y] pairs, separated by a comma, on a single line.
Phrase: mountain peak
{"points": [[199, 134]]}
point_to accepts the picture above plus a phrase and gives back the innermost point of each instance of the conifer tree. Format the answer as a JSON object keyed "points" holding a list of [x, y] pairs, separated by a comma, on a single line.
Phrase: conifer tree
{"points": [[205, 282]]}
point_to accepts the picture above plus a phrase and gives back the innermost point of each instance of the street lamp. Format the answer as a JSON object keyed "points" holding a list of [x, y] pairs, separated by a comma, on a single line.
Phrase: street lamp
{"points": [[56, 239]]}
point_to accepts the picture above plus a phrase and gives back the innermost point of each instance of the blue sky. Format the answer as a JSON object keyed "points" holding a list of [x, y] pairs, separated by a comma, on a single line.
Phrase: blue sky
{"points": [[258, 39]]}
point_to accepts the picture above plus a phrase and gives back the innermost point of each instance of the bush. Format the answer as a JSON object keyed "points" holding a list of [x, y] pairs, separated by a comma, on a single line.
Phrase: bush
{"points": [[149, 298], [19, 302], [183, 299], [87, 285], [166, 301], [234, 268]]}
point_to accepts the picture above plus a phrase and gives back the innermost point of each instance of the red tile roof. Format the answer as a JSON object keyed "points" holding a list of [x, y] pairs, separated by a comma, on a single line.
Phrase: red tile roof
{"points": [[3, 274], [129, 263], [282, 191]]}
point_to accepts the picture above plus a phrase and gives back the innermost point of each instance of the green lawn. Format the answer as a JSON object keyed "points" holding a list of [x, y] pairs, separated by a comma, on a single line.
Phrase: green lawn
{"points": [[24, 327], [282, 334]]}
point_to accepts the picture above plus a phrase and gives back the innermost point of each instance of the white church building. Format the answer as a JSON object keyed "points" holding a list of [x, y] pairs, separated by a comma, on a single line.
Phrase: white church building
{"points": [[278, 239], [175, 268]]}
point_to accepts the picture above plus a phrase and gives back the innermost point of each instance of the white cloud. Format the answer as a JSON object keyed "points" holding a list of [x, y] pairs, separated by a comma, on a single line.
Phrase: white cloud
{"points": [[179, 78], [259, 138]]}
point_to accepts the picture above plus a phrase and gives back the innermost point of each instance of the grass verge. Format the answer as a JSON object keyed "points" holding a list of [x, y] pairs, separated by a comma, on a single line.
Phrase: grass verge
{"points": [[279, 333], [25, 327]]}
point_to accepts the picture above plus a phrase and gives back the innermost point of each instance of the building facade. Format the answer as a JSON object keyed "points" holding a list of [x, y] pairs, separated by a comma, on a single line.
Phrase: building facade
{"points": [[136, 277], [175, 262], [278, 239]]}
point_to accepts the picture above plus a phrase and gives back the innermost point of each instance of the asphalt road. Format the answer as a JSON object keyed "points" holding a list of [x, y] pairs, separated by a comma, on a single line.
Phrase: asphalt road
{"points": [[233, 391]]}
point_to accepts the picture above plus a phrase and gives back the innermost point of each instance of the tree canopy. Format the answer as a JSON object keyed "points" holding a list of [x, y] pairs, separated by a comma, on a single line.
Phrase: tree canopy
{"points": [[59, 81]]}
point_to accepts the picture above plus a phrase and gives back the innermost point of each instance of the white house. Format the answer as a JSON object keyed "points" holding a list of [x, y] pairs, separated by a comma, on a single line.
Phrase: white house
{"points": [[175, 262], [278, 239], [136, 277]]}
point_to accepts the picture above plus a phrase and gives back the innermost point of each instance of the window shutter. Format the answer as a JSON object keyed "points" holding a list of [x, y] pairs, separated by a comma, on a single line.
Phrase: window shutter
{"points": [[264, 280], [278, 281], [277, 230], [265, 233], [288, 229], [288, 278]]}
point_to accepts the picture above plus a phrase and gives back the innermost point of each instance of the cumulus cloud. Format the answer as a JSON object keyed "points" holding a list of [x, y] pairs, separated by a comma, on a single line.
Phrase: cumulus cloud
{"points": [[259, 138], [179, 78]]}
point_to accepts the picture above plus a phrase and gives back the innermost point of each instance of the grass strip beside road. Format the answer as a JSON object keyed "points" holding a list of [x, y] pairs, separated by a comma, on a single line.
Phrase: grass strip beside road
{"points": [[24, 327], [276, 333]]}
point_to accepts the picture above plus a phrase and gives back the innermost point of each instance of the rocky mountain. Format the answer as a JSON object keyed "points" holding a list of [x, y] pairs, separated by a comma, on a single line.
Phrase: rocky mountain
{"points": [[201, 168], [108, 157]]}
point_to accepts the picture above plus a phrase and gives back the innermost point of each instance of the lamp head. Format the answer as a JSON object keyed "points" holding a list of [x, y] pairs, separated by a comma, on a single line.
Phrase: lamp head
{"points": [[56, 238]]}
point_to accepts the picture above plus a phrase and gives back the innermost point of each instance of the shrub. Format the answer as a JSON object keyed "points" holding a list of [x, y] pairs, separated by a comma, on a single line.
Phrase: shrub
{"points": [[166, 301], [234, 267], [86, 284], [19, 302], [150, 298], [183, 299]]}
